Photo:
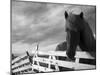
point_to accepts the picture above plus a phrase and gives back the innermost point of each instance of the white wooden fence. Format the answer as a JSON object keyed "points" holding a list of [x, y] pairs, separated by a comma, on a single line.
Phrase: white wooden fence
{"points": [[52, 60]]}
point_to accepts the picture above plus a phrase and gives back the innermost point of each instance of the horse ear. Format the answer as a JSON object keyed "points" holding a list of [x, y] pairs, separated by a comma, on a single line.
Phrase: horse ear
{"points": [[66, 14], [81, 14]]}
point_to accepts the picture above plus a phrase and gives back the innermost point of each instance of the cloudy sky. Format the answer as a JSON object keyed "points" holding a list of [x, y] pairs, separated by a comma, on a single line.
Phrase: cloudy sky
{"points": [[34, 22]]}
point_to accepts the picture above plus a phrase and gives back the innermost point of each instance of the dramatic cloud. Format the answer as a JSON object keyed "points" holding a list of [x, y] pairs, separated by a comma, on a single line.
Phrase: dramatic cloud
{"points": [[34, 22]]}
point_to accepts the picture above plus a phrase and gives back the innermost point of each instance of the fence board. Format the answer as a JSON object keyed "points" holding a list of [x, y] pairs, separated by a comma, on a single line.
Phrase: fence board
{"points": [[80, 54], [43, 69], [22, 68], [83, 54], [18, 64], [17, 58]]}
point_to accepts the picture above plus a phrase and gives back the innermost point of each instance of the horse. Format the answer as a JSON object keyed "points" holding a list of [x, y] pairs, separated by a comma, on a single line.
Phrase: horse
{"points": [[79, 34]]}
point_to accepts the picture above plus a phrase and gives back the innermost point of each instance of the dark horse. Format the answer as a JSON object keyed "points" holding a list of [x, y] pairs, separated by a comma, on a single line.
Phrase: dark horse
{"points": [[79, 34]]}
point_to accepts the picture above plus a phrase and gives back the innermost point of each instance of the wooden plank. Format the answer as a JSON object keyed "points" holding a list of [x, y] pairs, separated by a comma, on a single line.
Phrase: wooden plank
{"points": [[84, 66], [43, 69], [20, 63], [29, 72], [55, 53], [83, 54], [79, 54], [22, 68], [18, 58]]}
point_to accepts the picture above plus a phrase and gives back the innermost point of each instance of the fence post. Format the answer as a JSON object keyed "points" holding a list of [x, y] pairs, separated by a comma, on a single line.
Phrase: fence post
{"points": [[56, 64], [76, 62], [49, 64], [37, 62], [33, 62], [35, 56]]}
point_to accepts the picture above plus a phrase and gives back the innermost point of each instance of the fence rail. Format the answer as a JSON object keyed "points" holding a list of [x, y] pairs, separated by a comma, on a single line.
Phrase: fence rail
{"points": [[52, 60]]}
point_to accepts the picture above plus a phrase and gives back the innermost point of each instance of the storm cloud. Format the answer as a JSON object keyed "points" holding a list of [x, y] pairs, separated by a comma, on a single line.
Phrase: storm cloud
{"points": [[34, 22]]}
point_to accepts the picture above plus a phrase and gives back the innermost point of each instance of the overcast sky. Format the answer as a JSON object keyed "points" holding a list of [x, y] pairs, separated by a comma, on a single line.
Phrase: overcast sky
{"points": [[42, 22]]}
